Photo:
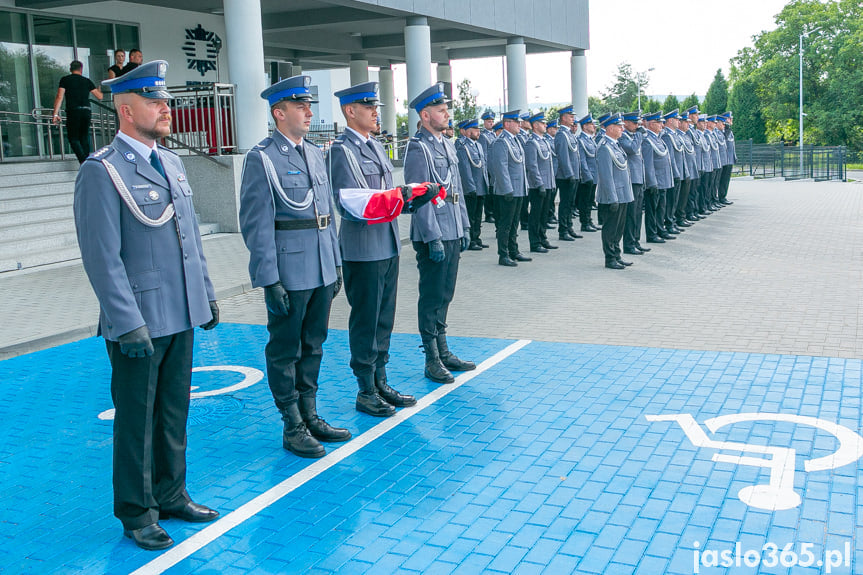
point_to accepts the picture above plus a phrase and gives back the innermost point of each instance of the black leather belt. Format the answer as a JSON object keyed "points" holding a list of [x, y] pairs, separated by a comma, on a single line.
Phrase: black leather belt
{"points": [[321, 223], [452, 198]]}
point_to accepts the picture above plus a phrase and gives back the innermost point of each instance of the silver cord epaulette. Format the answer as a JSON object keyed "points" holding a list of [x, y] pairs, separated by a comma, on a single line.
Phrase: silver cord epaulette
{"points": [[661, 153], [130, 202], [273, 178]]}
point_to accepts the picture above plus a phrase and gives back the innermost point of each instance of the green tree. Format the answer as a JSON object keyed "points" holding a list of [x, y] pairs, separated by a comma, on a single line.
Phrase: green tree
{"points": [[598, 106], [691, 100], [650, 105], [716, 100], [671, 103], [464, 107], [745, 104], [622, 94]]}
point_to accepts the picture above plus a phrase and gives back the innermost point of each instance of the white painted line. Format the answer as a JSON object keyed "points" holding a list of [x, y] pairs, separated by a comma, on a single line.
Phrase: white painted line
{"points": [[212, 532]]}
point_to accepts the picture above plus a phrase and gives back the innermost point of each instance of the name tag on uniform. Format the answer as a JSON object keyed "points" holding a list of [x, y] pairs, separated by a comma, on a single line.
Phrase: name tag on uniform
{"points": [[368, 162], [141, 186], [294, 173]]}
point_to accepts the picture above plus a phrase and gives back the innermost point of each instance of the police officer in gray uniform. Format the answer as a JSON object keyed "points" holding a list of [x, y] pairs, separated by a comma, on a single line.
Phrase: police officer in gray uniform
{"points": [[439, 232], [507, 165], [725, 121], [704, 208], [287, 224], [539, 164], [690, 172], [568, 173], [142, 252], [523, 136], [675, 149], [658, 177], [586, 192], [473, 169], [630, 143], [613, 190], [370, 253], [551, 129], [716, 154], [486, 137], [694, 138]]}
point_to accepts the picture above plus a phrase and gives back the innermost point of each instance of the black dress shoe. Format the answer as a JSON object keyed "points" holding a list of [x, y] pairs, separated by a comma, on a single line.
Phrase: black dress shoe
{"points": [[393, 397], [673, 231], [633, 252], [615, 265], [588, 229], [482, 245], [474, 247], [505, 261], [565, 237], [550, 226], [150, 537], [521, 258], [539, 250], [683, 224], [655, 240], [623, 263], [667, 236], [191, 512], [548, 246], [596, 227], [726, 202], [642, 249], [372, 403], [575, 235]]}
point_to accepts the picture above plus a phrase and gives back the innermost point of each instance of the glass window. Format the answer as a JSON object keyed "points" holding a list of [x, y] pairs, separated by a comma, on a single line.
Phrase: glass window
{"points": [[53, 53], [95, 44], [16, 88], [127, 38]]}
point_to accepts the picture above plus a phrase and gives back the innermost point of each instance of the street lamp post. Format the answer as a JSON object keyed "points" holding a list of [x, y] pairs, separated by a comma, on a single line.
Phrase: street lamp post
{"points": [[638, 87], [800, 137]]}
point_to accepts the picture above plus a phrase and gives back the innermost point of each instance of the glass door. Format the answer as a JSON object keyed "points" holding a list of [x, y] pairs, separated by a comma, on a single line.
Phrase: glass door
{"points": [[17, 137]]}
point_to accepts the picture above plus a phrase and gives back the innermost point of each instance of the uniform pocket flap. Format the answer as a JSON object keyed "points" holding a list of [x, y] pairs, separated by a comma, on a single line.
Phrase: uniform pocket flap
{"points": [[145, 281], [289, 247], [295, 181]]}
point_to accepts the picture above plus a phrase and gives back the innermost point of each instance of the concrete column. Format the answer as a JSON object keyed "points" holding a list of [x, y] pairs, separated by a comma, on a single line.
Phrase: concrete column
{"points": [[388, 99], [418, 60], [245, 44], [359, 71], [296, 70], [578, 78], [444, 73], [516, 74]]}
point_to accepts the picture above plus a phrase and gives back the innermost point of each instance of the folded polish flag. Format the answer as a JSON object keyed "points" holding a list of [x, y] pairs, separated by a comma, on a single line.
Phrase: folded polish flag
{"points": [[379, 206]]}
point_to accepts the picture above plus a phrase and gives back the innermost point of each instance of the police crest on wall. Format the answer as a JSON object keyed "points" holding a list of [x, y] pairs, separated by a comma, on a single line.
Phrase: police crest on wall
{"points": [[202, 49]]}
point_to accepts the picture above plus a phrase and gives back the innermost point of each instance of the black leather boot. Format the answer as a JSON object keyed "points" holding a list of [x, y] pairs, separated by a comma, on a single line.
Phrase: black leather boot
{"points": [[449, 359], [434, 369], [390, 395], [296, 437], [320, 429], [368, 399]]}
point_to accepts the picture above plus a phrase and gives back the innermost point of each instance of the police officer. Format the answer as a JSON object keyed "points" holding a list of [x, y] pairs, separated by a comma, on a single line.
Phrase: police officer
{"points": [[551, 129], [540, 182], [586, 192], [439, 231], [675, 149], [613, 190], [370, 253], [689, 179], [694, 137], [730, 157], [286, 221], [473, 169], [486, 137], [568, 173], [704, 181], [716, 154], [141, 249], [630, 143], [658, 178], [507, 165], [523, 136]]}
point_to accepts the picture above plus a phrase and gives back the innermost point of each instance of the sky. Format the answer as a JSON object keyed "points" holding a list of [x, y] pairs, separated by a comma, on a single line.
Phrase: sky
{"points": [[687, 41]]}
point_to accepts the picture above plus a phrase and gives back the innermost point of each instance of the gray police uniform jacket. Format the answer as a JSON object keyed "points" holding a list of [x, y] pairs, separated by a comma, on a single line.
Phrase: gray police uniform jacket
{"points": [[630, 143], [715, 155], [472, 166], [550, 141], [568, 155], [523, 136], [690, 166], [694, 137], [507, 165], [676, 149], [486, 137], [353, 164], [731, 146], [588, 157], [301, 259], [142, 275], [657, 162], [613, 185], [428, 160], [706, 152], [539, 163], [723, 147]]}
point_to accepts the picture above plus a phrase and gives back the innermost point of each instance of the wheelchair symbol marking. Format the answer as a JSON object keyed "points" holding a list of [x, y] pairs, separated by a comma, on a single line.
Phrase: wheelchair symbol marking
{"points": [[779, 493], [251, 376]]}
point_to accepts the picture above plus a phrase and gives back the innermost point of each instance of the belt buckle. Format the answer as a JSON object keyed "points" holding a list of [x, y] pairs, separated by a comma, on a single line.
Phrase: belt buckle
{"points": [[323, 221], [455, 198]]}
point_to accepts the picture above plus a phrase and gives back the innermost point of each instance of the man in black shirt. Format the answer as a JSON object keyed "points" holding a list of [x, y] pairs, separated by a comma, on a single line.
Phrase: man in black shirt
{"points": [[77, 89], [135, 59], [117, 68]]}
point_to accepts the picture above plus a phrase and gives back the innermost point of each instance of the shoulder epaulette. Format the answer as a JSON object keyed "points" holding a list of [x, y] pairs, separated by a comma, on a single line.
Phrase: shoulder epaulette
{"points": [[100, 153], [263, 143], [161, 147], [312, 143]]}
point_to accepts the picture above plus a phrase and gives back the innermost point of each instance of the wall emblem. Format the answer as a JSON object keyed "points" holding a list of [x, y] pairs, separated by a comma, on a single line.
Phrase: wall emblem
{"points": [[202, 49]]}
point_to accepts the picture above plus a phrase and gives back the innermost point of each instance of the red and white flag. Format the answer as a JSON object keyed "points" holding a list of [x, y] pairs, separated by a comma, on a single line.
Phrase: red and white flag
{"points": [[380, 206]]}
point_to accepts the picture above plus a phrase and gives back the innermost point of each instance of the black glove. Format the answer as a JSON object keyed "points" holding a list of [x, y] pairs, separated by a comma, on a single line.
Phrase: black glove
{"points": [[339, 280], [277, 299], [641, 130], [436, 253], [465, 241], [613, 207], [430, 192], [136, 343], [214, 309]]}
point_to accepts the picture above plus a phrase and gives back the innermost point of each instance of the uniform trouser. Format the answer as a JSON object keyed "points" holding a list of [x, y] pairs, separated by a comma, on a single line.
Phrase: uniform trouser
{"points": [[371, 291], [634, 209], [436, 287], [552, 195], [489, 203], [612, 229], [584, 200], [714, 185], [151, 402], [506, 218], [564, 209], [671, 204], [474, 204], [295, 348], [654, 212], [682, 200], [526, 208], [78, 132], [538, 211], [724, 182], [704, 191], [693, 200]]}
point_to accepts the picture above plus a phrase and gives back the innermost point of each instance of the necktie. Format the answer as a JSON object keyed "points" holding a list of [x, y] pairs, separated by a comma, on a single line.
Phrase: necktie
{"points": [[300, 151], [157, 164]]}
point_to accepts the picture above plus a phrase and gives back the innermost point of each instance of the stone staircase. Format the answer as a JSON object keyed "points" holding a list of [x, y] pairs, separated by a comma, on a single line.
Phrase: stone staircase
{"points": [[36, 222]]}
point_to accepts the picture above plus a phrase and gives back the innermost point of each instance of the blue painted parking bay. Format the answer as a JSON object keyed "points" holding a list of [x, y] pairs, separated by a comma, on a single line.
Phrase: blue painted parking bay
{"points": [[550, 458]]}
